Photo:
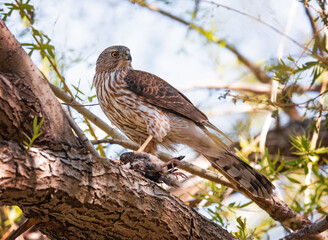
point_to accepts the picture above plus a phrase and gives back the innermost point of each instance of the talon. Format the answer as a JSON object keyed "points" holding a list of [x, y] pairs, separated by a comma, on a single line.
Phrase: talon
{"points": [[174, 162], [180, 174]]}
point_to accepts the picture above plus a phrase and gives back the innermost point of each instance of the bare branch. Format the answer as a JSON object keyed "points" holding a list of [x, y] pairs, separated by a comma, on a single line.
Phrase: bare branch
{"points": [[256, 19], [81, 135], [309, 15], [310, 232]]}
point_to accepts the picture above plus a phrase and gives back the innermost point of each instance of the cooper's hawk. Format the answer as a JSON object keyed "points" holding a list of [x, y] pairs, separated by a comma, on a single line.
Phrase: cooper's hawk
{"points": [[151, 112]]}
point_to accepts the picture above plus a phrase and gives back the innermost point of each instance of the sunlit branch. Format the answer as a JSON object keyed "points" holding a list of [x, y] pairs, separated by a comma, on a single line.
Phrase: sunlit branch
{"points": [[313, 25], [81, 135], [251, 87], [238, 86]]}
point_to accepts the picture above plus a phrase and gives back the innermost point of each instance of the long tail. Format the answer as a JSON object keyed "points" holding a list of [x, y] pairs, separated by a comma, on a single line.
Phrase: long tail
{"points": [[237, 171], [242, 175]]}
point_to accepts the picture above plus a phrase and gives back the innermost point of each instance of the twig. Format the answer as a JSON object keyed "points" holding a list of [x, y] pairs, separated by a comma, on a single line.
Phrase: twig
{"points": [[84, 105], [258, 20], [318, 118], [30, 222], [278, 104], [313, 25], [123, 142], [310, 231], [81, 135]]}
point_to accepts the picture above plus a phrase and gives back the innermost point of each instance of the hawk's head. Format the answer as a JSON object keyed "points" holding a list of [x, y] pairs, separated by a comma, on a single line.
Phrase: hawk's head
{"points": [[114, 58]]}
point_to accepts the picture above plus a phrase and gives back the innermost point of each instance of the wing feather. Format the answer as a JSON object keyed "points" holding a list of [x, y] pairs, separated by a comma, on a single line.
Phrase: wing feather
{"points": [[158, 92]]}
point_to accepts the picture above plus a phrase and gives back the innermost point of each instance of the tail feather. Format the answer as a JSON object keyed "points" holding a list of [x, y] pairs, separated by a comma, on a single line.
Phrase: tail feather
{"points": [[214, 138], [228, 163], [210, 125], [242, 175], [233, 168]]}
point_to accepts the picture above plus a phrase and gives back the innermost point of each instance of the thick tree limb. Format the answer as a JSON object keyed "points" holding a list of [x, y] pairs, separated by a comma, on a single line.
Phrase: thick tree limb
{"points": [[76, 196], [30, 87]]}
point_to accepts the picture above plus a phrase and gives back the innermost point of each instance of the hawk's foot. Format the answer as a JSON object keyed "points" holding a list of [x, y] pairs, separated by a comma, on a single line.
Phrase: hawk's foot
{"points": [[172, 164]]}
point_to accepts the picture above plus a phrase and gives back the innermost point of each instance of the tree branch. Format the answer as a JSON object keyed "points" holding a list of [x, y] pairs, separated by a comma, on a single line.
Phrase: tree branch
{"points": [[29, 84], [94, 199], [86, 142], [310, 232]]}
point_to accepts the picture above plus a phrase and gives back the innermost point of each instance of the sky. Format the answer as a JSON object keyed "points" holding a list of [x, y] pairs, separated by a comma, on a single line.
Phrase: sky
{"points": [[81, 30]]}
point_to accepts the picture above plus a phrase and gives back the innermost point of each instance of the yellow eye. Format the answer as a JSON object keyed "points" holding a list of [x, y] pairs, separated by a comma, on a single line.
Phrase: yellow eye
{"points": [[115, 54]]}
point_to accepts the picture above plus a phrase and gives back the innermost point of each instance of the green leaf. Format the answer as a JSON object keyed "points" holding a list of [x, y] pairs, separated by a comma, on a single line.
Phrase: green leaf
{"points": [[303, 188], [27, 136], [77, 89], [293, 180], [321, 150], [91, 98]]}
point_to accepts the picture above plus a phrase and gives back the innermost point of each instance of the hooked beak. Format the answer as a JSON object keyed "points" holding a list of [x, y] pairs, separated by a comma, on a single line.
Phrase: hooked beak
{"points": [[127, 56]]}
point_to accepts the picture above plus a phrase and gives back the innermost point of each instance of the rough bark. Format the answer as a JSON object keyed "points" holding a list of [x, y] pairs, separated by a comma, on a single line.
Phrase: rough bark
{"points": [[80, 197], [75, 195], [26, 94]]}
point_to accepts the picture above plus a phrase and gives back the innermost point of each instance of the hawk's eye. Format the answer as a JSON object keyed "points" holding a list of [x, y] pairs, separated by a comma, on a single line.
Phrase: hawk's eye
{"points": [[115, 54]]}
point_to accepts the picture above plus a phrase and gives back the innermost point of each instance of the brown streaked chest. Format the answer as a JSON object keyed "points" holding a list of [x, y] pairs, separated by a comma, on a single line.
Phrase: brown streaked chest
{"points": [[126, 109], [113, 95]]}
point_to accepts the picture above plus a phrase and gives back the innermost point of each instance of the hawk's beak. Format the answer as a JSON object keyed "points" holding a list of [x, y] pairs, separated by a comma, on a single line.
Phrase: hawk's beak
{"points": [[128, 56]]}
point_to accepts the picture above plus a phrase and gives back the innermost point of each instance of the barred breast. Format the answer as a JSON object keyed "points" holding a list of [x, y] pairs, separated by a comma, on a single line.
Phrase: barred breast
{"points": [[136, 118]]}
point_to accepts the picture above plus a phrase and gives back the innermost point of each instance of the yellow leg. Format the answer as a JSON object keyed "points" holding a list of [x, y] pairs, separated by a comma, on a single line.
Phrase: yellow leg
{"points": [[144, 145]]}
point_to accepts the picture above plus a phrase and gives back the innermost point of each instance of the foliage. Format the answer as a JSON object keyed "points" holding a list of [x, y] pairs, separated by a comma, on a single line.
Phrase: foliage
{"points": [[36, 133], [9, 216]]}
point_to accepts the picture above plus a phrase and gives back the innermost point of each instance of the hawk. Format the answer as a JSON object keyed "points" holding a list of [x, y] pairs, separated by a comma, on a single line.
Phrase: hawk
{"points": [[153, 113]]}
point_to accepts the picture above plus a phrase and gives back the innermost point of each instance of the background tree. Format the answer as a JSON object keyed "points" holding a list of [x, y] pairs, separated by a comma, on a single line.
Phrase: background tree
{"points": [[283, 88]]}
